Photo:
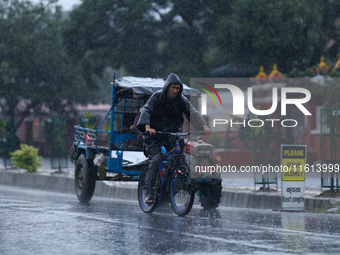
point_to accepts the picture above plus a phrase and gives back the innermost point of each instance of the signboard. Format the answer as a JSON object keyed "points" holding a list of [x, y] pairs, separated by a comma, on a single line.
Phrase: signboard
{"points": [[293, 160]]}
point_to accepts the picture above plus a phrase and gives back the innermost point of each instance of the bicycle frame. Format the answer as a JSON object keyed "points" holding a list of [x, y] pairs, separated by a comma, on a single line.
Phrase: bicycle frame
{"points": [[171, 156]]}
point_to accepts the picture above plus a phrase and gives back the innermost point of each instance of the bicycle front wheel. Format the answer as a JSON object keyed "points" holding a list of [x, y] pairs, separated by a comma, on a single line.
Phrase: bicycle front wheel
{"points": [[182, 189], [142, 192]]}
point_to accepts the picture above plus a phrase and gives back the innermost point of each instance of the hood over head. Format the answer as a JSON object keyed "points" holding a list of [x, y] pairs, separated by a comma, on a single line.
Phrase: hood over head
{"points": [[172, 78]]}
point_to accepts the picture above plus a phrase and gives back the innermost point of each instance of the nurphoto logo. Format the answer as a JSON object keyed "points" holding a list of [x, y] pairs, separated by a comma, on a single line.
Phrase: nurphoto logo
{"points": [[278, 96]]}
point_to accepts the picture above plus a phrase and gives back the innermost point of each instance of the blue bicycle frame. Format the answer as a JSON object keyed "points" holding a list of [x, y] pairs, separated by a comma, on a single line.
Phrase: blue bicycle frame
{"points": [[170, 156]]}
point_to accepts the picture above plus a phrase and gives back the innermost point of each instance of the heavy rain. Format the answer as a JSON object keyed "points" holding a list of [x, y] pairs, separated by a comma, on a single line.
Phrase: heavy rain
{"points": [[77, 76]]}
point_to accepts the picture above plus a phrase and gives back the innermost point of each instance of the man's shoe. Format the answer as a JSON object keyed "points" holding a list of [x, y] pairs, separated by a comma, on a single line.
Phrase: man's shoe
{"points": [[149, 200]]}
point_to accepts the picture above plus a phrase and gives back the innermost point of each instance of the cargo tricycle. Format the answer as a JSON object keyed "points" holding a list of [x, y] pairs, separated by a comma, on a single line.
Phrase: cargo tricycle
{"points": [[114, 150]]}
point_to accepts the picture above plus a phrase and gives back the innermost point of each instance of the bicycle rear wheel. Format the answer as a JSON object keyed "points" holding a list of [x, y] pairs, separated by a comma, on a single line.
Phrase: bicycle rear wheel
{"points": [[142, 192], [182, 189]]}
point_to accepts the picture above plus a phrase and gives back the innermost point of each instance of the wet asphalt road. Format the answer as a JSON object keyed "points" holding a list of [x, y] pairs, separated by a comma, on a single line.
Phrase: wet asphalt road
{"points": [[37, 222]]}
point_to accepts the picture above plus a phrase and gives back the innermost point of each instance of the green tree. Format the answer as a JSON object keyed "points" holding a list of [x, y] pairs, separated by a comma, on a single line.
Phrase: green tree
{"points": [[154, 38], [330, 11], [145, 38], [114, 33], [264, 32], [187, 32], [36, 76]]}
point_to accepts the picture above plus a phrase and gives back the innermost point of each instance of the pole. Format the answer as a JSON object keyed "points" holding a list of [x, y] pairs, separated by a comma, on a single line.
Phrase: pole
{"points": [[112, 112]]}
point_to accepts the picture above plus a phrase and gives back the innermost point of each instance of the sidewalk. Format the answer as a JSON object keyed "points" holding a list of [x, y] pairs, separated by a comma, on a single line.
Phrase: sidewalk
{"points": [[312, 188], [236, 192]]}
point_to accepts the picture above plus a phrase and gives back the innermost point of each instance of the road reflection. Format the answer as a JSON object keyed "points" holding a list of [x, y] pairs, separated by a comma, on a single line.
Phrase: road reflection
{"points": [[45, 223], [293, 232]]}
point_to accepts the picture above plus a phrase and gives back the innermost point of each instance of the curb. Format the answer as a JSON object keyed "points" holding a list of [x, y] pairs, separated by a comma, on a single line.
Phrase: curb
{"points": [[64, 184]]}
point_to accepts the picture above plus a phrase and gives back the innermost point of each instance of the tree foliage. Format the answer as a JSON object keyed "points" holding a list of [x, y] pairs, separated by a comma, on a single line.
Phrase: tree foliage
{"points": [[109, 32], [265, 32], [146, 38], [36, 76], [193, 38], [50, 60], [153, 38]]}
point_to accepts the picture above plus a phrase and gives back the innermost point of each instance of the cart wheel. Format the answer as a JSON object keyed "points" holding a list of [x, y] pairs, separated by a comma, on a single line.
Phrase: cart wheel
{"points": [[210, 194], [182, 189], [84, 179]]}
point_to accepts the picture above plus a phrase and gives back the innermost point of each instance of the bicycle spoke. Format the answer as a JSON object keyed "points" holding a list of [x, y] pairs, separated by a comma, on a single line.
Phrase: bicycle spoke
{"points": [[182, 199], [182, 190]]}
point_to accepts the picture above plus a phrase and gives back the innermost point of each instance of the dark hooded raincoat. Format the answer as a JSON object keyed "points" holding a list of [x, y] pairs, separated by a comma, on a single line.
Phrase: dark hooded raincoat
{"points": [[165, 114]]}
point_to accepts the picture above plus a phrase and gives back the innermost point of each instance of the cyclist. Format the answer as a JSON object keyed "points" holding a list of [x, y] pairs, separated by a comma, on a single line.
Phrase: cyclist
{"points": [[164, 112]]}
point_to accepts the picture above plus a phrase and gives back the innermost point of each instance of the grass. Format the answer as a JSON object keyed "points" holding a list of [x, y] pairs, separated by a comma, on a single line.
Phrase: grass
{"points": [[325, 208]]}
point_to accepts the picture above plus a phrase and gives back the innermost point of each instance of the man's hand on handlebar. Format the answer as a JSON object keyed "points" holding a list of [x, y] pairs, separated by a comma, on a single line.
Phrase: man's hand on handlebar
{"points": [[150, 130]]}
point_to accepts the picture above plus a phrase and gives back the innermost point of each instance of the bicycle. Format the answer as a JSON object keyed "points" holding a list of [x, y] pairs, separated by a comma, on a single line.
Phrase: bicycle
{"points": [[172, 181]]}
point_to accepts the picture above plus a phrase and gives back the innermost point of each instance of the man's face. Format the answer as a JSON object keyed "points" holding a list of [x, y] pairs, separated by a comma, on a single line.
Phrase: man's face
{"points": [[173, 90]]}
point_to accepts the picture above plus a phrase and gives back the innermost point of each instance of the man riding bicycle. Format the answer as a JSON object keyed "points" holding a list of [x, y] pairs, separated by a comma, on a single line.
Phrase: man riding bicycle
{"points": [[164, 112]]}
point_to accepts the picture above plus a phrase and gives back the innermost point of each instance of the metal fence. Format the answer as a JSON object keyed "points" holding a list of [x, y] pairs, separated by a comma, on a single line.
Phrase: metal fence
{"points": [[7, 141], [330, 146], [57, 142], [264, 153]]}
